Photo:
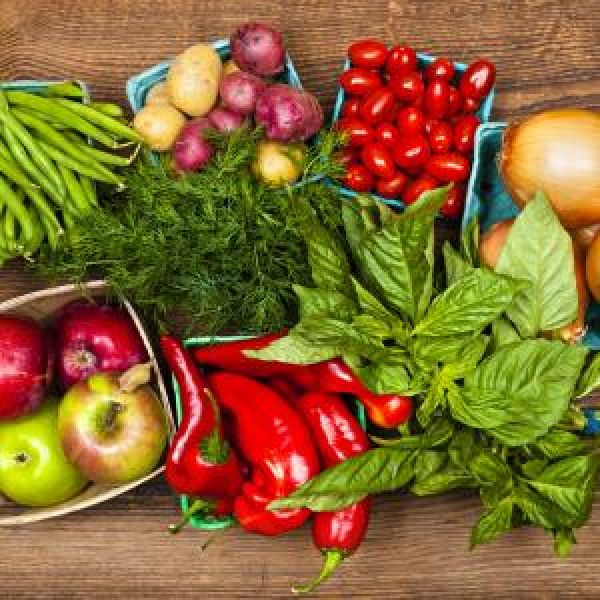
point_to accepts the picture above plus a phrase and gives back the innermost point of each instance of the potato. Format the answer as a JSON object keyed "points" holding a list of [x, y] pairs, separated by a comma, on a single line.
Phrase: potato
{"points": [[204, 57], [193, 89], [230, 67], [277, 164], [158, 94], [159, 125]]}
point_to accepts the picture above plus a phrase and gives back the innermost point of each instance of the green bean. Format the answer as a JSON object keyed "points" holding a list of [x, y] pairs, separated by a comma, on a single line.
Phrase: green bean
{"points": [[98, 118], [21, 157], [69, 220], [11, 170], [43, 117], [100, 174], [10, 232], [53, 108], [33, 245], [101, 156], [43, 162], [109, 109], [48, 217], [89, 189], [16, 206], [63, 89], [76, 193]]}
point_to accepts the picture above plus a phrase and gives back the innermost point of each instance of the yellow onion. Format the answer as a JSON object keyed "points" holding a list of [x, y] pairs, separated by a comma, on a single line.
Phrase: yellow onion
{"points": [[556, 151]]}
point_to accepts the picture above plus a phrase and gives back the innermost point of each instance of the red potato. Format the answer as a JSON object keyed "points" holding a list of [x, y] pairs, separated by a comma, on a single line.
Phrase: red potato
{"points": [[239, 92], [225, 120], [288, 113], [258, 49], [191, 151]]}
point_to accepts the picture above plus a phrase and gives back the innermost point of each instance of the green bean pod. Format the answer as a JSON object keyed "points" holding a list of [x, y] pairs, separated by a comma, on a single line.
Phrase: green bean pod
{"points": [[11, 170], [33, 245], [76, 193], [9, 226], [109, 109], [54, 108], [89, 190], [100, 155], [98, 118], [42, 117], [15, 205], [62, 89]]}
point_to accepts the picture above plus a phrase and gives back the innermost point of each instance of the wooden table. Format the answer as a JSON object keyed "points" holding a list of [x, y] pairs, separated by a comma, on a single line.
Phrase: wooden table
{"points": [[548, 54]]}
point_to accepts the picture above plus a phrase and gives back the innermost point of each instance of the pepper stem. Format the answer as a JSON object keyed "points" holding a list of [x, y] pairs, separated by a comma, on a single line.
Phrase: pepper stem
{"points": [[333, 559], [196, 507]]}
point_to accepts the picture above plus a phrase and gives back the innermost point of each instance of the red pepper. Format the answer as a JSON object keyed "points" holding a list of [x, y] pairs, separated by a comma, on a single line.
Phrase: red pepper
{"points": [[338, 436], [276, 443], [333, 376], [199, 460]]}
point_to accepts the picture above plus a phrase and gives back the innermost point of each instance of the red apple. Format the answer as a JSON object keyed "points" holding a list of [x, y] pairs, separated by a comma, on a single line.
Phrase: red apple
{"points": [[94, 338], [25, 366], [111, 434]]}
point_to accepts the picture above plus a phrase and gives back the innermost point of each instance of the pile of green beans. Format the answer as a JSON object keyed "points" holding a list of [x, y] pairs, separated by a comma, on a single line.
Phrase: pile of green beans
{"points": [[53, 148]]}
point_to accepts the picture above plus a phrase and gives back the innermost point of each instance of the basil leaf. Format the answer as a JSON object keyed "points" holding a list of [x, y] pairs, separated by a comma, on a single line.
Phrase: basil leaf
{"points": [[521, 391], [435, 399], [469, 242], [440, 349], [372, 326], [443, 481], [533, 468], [376, 471], [314, 302], [328, 261], [456, 266], [560, 444], [382, 378], [488, 468], [295, 349], [462, 448], [429, 462], [369, 304], [590, 379], [439, 433], [539, 510], [468, 305], [503, 333], [493, 523], [569, 484], [539, 251]]}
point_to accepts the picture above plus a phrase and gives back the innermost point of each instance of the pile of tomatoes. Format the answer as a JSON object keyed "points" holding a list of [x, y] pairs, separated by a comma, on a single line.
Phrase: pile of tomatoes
{"points": [[409, 130]]}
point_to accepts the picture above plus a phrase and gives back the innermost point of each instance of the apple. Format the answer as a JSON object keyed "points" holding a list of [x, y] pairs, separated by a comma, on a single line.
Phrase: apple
{"points": [[95, 338], [112, 433], [25, 366], [33, 468]]}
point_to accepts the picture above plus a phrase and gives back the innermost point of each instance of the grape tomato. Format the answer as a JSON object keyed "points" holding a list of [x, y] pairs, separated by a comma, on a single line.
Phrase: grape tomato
{"points": [[412, 152], [358, 81], [407, 88], [464, 133], [437, 95], [359, 133], [371, 54], [391, 188], [351, 107], [410, 120], [455, 202], [440, 137], [387, 134], [412, 192], [401, 60], [447, 167], [379, 160], [358, 178], [440, 67], [378, 106], [477, 81]]}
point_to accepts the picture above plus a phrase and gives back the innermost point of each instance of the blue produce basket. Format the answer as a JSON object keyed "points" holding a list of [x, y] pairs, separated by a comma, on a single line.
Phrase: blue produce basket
{"points": [[208, 522], [484, 112], [488, 200]]}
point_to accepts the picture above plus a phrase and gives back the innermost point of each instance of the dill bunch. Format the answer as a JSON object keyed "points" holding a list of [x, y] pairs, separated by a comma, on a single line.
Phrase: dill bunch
{"points": [[216, 248]]}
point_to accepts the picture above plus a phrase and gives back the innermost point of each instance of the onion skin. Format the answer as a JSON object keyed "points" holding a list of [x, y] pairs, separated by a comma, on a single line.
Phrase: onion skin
{"points": [[558, 152], [490, 247], [584, 236], [592, 268]]}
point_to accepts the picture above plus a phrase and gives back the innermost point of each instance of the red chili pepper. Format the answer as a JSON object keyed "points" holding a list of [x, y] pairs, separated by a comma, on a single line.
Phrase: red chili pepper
{"points": [[199, 460], [276, 443], [338, 436]]}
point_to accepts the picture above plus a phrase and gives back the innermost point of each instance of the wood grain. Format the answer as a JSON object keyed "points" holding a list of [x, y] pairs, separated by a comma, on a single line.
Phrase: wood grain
{"points": [[548, 54]]}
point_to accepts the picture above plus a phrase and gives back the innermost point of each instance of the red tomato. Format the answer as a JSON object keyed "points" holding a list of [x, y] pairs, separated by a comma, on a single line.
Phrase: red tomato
{"points": [[454, 102], [359, 132], [410, 120], [450, 166], [408, 88], [358, 81], [351, 107], [464, 133], [440, 137], [379, 160], [368, 53], [430, 122], [470, 105], [401, 60], [437, 95], [387, 134], [391, 188], [415, 188], [358, 178], [455, 202], [478, 79], [440, 67], [412, 151], [378, 106], [347, 156]]}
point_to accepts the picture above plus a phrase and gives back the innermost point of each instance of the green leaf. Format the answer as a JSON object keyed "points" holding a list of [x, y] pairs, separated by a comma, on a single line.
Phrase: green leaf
{"points": [[382, 378], [440, 349], [521, 391], [435, 399], [564, 539], [493, 523], [468, 305], [429, 462], [438, 433], [376, 471], [295, 349], [539, 251], [462, 448], [469, 242], [328, 261], [560, 444], [534, 467], [443, 481], [314, 302], [488, 468], [539, 510], [456, 266], [590, 379], [370, 305], [503, 333], [372, 326]]}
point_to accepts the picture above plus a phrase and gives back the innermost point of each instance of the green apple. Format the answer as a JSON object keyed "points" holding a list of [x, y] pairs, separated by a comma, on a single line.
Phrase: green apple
{"points": [[33, 468]]}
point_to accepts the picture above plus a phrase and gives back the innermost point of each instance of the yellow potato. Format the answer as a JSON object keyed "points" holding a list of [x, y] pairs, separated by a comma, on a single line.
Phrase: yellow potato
{"points": [[277, 163], [192, 89], [159, 125], [230, 67], [158, 94], [203, 56]]}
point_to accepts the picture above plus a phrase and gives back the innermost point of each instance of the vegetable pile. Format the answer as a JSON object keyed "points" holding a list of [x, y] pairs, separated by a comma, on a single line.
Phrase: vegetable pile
{"points": [[409, 130], [48, 164]]}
